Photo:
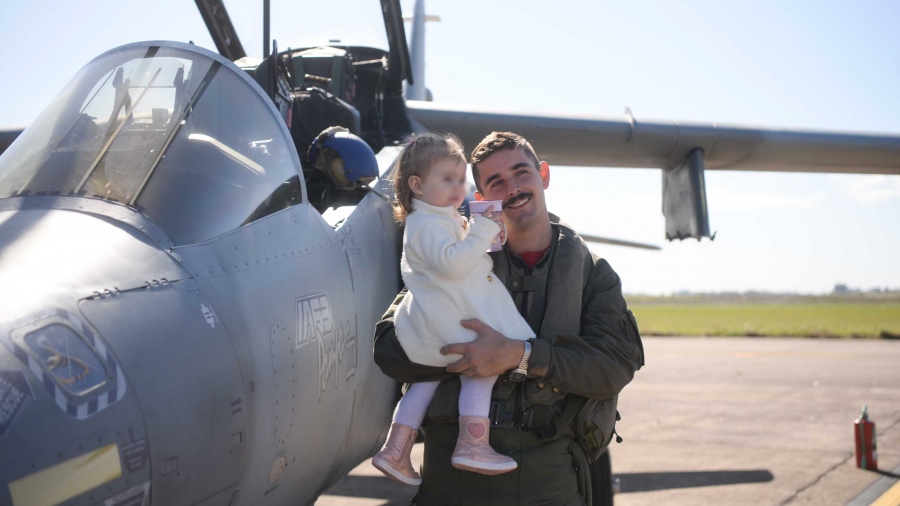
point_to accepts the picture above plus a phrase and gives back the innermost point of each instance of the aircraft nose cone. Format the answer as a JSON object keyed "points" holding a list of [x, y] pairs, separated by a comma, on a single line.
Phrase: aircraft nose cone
{"points": [[67, 414], [53, 258]]}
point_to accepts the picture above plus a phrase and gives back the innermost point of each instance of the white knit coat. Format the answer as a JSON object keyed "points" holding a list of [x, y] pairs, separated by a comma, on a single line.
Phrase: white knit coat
{"points": [[449, 276]]}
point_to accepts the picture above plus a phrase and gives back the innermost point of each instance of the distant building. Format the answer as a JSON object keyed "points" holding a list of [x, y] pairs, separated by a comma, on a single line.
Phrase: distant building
{"points": [[842, 288]]}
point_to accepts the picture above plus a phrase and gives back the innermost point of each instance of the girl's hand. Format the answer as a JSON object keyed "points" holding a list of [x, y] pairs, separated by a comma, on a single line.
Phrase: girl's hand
{"points": [[502, 233]]}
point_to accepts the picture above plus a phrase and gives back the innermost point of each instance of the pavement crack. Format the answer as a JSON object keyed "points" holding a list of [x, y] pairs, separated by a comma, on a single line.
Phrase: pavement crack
{"points": [[890, 427], [817, 480]]}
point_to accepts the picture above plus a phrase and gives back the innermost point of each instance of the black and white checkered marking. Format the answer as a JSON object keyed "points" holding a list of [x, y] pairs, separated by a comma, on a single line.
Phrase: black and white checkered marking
{"points": [[79, 407]]}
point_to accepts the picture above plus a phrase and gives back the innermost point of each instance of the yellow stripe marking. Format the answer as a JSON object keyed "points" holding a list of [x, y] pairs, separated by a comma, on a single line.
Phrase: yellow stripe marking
{"points": [[68, 479], [891, 497]]}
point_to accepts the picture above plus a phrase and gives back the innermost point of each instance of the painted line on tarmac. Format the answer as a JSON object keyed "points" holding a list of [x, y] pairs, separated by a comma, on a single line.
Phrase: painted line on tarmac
{"points": [[884, 492], [889, 498]]}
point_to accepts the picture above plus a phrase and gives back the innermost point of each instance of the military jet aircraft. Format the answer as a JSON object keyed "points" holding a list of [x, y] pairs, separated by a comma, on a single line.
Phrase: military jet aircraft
{"points": [[178, 318], [184, 322]]}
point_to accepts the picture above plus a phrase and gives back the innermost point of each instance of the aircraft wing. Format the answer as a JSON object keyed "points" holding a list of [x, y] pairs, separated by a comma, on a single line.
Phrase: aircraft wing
{"points": [[627, 142], [682, 150], [617, 242]]}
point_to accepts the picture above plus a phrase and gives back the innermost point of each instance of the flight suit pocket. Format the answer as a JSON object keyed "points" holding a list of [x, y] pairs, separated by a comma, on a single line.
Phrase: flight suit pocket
{"points": [[595, 425], [625, 327], [635, 335]]}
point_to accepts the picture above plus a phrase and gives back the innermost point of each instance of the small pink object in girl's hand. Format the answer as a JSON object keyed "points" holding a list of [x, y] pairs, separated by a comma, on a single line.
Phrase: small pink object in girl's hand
{"points": [[479, 207]]}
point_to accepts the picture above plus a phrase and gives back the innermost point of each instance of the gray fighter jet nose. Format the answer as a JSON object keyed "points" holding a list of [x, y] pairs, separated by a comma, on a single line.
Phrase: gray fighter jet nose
{"points": [[69, 422], [74, 250]]}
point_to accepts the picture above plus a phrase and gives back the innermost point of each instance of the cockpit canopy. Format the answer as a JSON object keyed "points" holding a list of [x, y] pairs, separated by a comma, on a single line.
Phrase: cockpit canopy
{"points": [[169, 129]]}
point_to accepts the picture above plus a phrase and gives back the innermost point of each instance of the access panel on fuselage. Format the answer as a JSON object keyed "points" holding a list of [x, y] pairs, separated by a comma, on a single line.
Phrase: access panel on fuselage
{"points": [[282, 288], [180, 364]]}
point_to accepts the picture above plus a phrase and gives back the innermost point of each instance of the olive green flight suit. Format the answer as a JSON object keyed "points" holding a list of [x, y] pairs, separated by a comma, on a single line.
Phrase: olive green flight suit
{"points": [[587, 347]]}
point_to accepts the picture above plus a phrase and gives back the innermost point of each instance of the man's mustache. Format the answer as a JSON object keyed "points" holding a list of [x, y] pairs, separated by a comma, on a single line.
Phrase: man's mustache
{"points": [[517, 198]]}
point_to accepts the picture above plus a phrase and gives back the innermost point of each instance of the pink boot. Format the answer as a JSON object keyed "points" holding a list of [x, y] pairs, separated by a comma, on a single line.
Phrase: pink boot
{"points": [[393, 459], [473, 451]]}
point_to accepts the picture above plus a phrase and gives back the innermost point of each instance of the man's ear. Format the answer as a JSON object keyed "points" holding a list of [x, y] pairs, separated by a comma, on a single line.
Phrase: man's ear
{"points": [[415, 184], [478, 196], [545, 174]]}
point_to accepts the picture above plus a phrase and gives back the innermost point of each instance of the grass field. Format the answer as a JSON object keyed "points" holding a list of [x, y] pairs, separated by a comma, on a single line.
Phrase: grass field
{"points": [[768, 316]]}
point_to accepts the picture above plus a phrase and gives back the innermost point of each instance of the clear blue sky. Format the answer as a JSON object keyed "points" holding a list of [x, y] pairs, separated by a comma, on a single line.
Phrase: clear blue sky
{"points": [[828, 64]]}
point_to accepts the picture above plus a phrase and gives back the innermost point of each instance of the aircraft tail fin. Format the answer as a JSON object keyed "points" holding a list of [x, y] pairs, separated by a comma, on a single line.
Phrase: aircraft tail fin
{"points": [[417, 90]]}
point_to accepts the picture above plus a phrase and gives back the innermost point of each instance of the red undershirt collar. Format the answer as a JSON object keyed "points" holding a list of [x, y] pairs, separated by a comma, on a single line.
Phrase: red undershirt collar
{"points": [[531, 258]]}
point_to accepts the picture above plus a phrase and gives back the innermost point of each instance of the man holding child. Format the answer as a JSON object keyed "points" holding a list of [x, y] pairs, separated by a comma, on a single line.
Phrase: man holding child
{"points": [[553, 407]]}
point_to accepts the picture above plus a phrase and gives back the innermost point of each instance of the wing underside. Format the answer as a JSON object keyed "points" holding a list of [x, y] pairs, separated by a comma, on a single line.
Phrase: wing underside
{"points": [[684, 151], [626, 142]]}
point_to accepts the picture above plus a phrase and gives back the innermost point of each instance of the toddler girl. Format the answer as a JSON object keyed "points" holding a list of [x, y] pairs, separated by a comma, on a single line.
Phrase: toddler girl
{"points": [[448, 273]]}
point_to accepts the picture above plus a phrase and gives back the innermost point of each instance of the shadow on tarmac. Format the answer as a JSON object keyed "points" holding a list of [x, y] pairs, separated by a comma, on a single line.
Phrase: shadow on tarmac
{"points": [[647, 482], [380, 487], [888, 474], [374, 487]]}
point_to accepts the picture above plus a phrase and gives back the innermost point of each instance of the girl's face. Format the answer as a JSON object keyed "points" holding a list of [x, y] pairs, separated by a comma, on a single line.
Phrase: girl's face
{"points": [[443, 185]]}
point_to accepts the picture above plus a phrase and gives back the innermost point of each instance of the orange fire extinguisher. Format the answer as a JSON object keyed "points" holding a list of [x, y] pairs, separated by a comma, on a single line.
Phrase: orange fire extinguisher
{"points": [[866, 451]]}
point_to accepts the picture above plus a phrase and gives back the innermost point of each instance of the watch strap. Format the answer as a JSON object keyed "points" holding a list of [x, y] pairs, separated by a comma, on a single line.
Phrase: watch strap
{"points": [[521, 371], [524, 363]]}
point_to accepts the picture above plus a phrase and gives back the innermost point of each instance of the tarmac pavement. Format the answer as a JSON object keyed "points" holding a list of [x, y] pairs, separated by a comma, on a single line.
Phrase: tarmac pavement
{"points": [[734, 421]]}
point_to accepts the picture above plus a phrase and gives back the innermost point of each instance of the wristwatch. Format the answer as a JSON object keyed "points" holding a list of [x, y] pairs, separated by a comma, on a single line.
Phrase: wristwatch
{"points": [[521, 371]]}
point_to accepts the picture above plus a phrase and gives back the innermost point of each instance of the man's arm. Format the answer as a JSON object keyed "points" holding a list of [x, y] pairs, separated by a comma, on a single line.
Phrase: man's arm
{"points": [[490, 354], [391, 358], [598, 363]]}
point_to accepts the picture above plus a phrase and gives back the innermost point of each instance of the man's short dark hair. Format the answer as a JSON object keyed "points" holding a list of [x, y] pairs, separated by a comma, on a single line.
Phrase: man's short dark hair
{"points": [[498, 141]]}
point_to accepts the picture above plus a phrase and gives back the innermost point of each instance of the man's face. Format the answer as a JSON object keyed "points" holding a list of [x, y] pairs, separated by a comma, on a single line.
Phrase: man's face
{"points": [[510, 175]]}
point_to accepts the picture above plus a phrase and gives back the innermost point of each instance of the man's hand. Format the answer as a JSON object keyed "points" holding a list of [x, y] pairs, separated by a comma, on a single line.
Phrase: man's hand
{"points": [[490, 354], [502, 233]]}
